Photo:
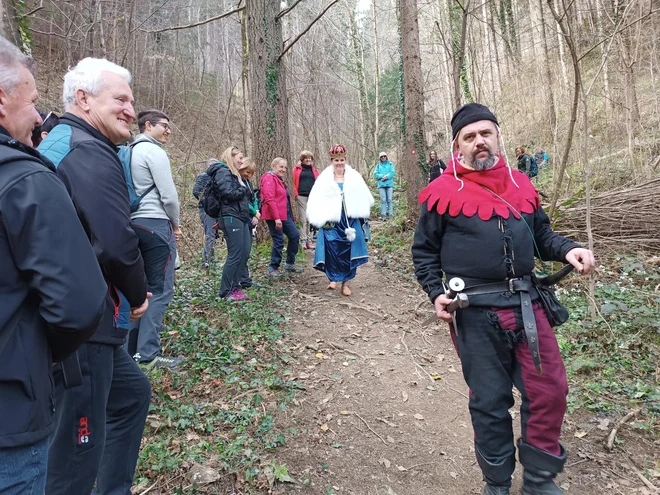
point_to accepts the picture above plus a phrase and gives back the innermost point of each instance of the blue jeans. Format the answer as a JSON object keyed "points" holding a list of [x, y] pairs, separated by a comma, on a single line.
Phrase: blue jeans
{"points": [[23, 469], [290, 230], [385, 201]]}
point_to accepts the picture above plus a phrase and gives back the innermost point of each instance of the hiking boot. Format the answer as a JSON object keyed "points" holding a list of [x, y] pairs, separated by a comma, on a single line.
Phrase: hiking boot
{"points": [[236, 295], [273, 272], [293, 268], [540, 469], [171, 363], [495, 490], [496, 475]]}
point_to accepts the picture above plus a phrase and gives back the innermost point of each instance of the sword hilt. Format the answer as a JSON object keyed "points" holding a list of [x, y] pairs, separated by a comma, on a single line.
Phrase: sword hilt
{"points": [[460, 301], [456, 285]]}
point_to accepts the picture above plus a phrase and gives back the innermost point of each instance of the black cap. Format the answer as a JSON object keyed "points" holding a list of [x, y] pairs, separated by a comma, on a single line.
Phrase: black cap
{"points": [[469, 114]]}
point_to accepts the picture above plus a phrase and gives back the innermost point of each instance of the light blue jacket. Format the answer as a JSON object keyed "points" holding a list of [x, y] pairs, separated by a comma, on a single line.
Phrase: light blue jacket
{"points": [[383, 169]]}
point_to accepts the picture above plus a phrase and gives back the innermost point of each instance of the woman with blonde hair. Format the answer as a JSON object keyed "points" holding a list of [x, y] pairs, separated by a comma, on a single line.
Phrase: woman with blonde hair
{"points": [[247, 171], [234, 220], [339, 203], [304, 176]]}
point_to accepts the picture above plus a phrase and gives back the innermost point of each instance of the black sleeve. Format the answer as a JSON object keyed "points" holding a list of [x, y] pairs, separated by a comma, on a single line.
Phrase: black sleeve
{"points": [[51, 249], [442, 165], [98, 188], [552, 246], [200, 184], [230, 189], [426, 249]]}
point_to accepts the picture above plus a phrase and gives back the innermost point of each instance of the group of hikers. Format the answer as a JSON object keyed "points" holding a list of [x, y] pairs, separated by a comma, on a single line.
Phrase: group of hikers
{"points": [[88, 232], [335, 203]]}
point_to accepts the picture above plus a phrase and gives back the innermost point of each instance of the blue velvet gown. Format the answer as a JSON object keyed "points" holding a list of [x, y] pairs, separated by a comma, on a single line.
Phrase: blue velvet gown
{"points": [[335, 254]]}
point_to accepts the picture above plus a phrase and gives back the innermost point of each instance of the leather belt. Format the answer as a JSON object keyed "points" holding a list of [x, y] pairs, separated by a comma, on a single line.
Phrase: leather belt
{"points": [[520, 286]]}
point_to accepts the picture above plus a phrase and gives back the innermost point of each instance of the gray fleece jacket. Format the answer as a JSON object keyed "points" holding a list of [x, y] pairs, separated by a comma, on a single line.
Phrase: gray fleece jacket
{"points": [[150, 165]]}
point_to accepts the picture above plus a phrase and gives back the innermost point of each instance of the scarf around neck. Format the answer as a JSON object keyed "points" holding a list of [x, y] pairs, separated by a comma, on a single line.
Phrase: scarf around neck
{"points": [[470, 197]]}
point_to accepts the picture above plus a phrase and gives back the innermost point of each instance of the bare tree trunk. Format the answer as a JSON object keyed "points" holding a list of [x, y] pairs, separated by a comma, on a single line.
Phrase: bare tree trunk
{"points": [[268, 96], [564, 24], [376, 79], [606, 78], [245, 82], [358, 69], [562, 50], [413, 159], [552, 113]]}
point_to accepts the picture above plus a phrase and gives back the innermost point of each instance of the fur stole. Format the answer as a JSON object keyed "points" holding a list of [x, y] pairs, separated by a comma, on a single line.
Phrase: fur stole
{"points": [[325, 198], [464, 192]]}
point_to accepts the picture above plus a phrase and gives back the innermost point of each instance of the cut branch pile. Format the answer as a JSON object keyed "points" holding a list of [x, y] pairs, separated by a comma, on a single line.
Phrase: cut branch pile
{"points": [[622, 218]]}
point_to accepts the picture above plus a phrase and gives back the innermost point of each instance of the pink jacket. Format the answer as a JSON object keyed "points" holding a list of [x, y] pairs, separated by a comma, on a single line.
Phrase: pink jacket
{"points": [[273, 198]]}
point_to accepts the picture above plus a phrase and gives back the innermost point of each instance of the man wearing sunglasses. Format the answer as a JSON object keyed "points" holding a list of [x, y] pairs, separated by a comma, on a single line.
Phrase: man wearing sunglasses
{"points": [[156, 223]]}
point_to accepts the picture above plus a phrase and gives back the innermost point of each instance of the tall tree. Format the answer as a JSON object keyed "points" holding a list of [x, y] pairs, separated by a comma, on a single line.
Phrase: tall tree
{"points": [[9, 22], [268, 96], [413, 158]]}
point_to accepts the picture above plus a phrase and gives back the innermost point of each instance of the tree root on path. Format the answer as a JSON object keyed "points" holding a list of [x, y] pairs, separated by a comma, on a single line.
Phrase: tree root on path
{"points": [[370, 428], [363, 308], [339, 348]]}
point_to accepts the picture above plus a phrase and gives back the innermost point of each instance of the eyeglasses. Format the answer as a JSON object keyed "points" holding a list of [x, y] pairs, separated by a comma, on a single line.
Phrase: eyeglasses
{"points": [[164, 125]]}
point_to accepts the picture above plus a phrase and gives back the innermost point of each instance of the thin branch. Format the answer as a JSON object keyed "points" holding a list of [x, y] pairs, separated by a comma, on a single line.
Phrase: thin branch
{"points": [[287, 10], [34, 11], [648, 14], [288, 47], [198, 23]]}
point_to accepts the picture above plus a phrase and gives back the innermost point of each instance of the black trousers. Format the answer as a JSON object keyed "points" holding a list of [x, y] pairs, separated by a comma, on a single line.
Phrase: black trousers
{"points": [[99, 424], [238, 236]]}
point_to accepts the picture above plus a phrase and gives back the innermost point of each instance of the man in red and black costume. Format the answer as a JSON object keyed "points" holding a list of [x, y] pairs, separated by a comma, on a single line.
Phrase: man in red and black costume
{"points": [[483, 222]]}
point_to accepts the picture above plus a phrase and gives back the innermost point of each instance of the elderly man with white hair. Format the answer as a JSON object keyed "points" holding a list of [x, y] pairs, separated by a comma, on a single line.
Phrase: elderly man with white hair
{"points": [[101, 420], [51, 288]]}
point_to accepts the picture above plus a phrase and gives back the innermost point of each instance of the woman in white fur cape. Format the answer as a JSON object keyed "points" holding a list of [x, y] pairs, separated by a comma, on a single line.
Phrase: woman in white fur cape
{"points": [[338, 205]]}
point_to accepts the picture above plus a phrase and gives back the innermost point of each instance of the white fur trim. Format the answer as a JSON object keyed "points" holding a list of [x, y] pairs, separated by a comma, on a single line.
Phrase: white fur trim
{"points": [[350, 234], [324, 204]]}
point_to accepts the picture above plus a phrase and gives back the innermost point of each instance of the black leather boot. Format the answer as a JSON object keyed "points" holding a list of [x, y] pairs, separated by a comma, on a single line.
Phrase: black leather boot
{"points": [[540, 469], [496, 475]]}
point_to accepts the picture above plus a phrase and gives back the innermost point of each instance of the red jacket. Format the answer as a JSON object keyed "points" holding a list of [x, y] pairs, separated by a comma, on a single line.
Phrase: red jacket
{"points": [[273, 198], [296, 175]]}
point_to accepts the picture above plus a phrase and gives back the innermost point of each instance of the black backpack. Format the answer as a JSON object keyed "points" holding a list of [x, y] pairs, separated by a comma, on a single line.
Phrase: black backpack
{"points": [[212, 198]]}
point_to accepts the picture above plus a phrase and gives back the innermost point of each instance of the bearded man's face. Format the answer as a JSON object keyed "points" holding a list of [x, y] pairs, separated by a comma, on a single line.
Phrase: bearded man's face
{"points": [[478, 144]]}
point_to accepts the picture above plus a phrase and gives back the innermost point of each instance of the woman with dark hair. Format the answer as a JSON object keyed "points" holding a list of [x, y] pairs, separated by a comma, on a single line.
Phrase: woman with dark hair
{"points": [[304, 176], [436, 166], [49, 121]]}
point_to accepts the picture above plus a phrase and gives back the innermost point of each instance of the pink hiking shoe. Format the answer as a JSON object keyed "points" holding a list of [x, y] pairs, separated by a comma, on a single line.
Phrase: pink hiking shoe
{"points": [[237, 295]]}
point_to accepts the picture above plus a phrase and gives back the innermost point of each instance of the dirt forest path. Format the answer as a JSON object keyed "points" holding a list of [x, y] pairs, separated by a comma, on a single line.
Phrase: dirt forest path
{"points": [[384, 410]]}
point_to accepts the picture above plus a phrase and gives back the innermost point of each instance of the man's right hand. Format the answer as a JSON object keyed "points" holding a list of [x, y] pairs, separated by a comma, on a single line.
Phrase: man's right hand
{"points": [[278, 224], [441, 302], [138, 312]]}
